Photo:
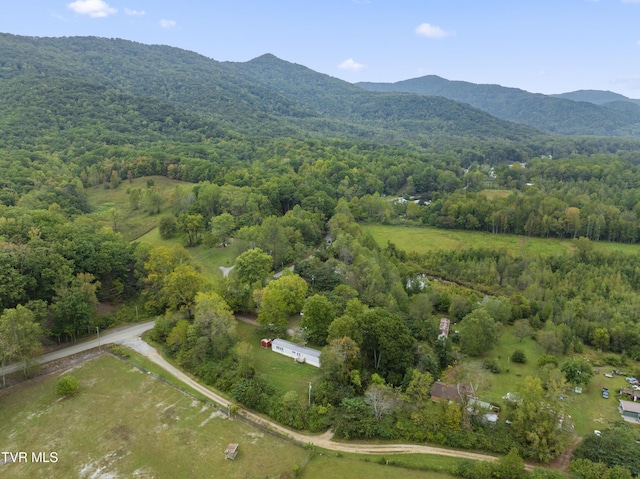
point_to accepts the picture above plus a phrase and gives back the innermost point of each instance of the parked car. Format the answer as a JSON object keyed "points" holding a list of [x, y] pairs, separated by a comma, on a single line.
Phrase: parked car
{"points": [[605, 393], [607, 375], [631, 380], [618, 372]]}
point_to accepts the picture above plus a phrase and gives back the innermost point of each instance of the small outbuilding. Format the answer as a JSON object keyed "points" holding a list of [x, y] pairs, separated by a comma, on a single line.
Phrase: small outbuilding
{"points": [[265, 343], [231, 451], [443, 330], [629, 409], [300, 354], [635, 395]]}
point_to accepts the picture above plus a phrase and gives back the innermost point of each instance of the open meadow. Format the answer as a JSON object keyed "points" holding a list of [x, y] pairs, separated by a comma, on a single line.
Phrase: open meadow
{"points": [[139, 427], [376, 467], [424, 239], [588, 410], [209, 259], [132, 223]]}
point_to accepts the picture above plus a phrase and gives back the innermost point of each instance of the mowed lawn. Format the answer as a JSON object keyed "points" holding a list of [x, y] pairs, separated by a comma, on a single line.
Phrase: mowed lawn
{"points": [[123, 423], [132, 223], [281, 371], [425, 239]]}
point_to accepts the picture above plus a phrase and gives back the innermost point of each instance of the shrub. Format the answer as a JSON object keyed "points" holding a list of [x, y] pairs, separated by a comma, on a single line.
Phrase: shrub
{"points": [[541, 473], [492, 366], [547, 359], [168, 227], [120, 351], [613, 360], [519, 356], [66, 386]]}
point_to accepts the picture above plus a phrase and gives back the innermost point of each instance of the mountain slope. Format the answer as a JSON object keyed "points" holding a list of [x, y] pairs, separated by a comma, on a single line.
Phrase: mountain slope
{"points": [[265, 97], [40, 110], [411, 114], [598, 97], [557, 115], [184, 79]]}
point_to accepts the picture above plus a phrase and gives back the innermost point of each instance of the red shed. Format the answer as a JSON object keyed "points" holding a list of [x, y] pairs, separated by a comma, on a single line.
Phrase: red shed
{"points": [[265, 343]]}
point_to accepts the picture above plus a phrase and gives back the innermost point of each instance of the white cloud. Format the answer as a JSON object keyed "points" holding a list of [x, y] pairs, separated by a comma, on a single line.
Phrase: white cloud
{"points": [[351, 65], [431, 31], [167, 23], [134, 13], [93, 8]]}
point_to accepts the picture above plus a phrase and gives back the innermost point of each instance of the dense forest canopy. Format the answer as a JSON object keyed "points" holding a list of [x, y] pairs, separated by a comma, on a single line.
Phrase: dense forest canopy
{"points": [[576, 113]]}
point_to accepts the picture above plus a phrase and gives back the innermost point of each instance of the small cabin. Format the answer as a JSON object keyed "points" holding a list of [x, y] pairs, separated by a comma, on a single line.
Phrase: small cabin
{"points": [[265, 343], [300, 354], [231, 451]]}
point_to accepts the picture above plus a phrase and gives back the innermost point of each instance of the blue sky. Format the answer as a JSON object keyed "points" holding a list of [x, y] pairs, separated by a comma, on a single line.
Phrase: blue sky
{"points": [[546, 46]]}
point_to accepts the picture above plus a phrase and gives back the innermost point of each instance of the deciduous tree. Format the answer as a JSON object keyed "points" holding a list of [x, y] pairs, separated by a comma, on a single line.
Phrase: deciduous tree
{"points": [[253, 266], [577, 371], [318, 316], [20, 331], [478, 333]]}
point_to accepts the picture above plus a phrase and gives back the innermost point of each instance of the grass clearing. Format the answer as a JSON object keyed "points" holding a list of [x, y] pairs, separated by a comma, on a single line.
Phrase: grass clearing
{"points": [[588, 410], [513, 374], [371, 467], [132, 224], [123, 423], [210, 259], [281, 371], [425, 239], [493, 194]]}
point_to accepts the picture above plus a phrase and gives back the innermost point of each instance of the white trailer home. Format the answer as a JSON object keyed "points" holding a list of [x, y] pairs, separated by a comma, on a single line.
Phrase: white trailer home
{"points": [[298, 353]]}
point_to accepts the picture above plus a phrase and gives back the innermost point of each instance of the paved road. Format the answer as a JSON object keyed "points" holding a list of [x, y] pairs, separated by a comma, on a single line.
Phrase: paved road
{"points": [[115, 336]]}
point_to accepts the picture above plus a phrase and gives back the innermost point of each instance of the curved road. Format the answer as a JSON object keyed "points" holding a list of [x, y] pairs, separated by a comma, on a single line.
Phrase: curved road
{"points": [[130, 336], [324, 441]]}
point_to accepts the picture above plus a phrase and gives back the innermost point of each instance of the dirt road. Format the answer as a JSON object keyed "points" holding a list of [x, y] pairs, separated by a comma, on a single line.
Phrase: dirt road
{"points": [[324, 441]]}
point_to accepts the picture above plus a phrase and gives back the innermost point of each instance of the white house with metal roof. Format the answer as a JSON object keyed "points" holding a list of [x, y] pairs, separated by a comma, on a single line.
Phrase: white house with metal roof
{"points": [[300, 354]]}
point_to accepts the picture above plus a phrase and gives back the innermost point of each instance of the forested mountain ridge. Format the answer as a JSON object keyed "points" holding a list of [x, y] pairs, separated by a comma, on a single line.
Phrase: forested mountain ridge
{"points": [[412, 114], [239, 97], [564, 114], [598, 97]]}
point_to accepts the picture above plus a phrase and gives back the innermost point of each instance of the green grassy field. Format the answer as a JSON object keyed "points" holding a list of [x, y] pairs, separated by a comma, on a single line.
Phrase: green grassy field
{"points": [[513, 374], [493, 194], [426, 239], [281, 371], [369, 468], [132, 224], [210, 259], [123, 423], [588, 410]]}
